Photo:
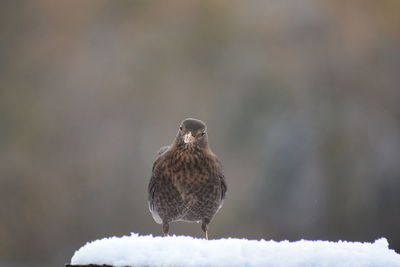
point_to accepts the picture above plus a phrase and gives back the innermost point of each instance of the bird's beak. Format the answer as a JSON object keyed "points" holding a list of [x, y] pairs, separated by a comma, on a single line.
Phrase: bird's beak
{"points": [[188, 138]]}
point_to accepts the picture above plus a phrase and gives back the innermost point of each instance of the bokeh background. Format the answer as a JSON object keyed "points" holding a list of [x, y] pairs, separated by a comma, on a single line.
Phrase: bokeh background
{"points": [[301, 99]]}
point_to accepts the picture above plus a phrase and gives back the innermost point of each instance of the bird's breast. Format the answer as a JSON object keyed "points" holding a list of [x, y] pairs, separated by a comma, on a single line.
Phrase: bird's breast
{"points": [[185, 167]]}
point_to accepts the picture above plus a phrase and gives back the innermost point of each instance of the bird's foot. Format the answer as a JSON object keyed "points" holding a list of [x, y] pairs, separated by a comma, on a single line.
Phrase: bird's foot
{"points": [[166, 229], [204, 227]]}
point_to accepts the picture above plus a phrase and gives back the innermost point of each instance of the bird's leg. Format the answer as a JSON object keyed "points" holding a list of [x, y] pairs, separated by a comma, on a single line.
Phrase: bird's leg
{"points": [[165, 228], [204, 227]]}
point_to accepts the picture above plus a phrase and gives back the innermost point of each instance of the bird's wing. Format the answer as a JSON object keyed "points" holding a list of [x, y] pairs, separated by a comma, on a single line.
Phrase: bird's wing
{"points": [[151, 191], [162, 188], [153, 180], [162, 150], [153, 184], [221, 177], [223, 186]]}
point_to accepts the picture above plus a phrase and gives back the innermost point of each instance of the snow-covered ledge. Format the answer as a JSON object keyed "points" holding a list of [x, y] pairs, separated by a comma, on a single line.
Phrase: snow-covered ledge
{"points": [[140, 251]]}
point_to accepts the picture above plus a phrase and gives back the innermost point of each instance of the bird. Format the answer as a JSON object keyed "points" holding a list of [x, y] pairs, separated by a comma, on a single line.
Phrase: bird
{"points": [[187, 182]]}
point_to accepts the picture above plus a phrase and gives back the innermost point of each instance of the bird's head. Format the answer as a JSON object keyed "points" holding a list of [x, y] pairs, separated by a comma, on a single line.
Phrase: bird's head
{"points": [[192, 132]]}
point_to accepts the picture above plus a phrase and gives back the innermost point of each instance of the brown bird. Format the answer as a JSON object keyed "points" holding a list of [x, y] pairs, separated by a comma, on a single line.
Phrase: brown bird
{"points": [[187, 183]]}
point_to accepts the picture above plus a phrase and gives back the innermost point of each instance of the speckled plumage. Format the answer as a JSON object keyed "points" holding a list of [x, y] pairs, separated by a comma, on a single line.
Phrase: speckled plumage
{"points": [[187, 183]]}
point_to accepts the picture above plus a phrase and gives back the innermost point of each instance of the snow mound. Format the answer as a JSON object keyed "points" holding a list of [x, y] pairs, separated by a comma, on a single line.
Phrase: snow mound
{"points": [[138, 250]]}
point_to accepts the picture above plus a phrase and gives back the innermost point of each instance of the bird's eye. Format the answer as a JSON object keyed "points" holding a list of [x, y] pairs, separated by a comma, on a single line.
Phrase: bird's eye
{"points": [[203, 133], [180, 128]]}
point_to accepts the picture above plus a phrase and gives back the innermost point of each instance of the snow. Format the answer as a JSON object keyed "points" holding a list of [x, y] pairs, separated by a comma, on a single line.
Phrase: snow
{"points": [[135, 250]]}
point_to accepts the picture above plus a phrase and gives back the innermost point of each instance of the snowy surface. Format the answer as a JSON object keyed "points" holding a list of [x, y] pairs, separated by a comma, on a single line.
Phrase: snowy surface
{"points": [[138, 251]]}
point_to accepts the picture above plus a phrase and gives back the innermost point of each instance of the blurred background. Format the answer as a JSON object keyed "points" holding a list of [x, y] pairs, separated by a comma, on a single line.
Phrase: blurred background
{"points": [[301, 99]]}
